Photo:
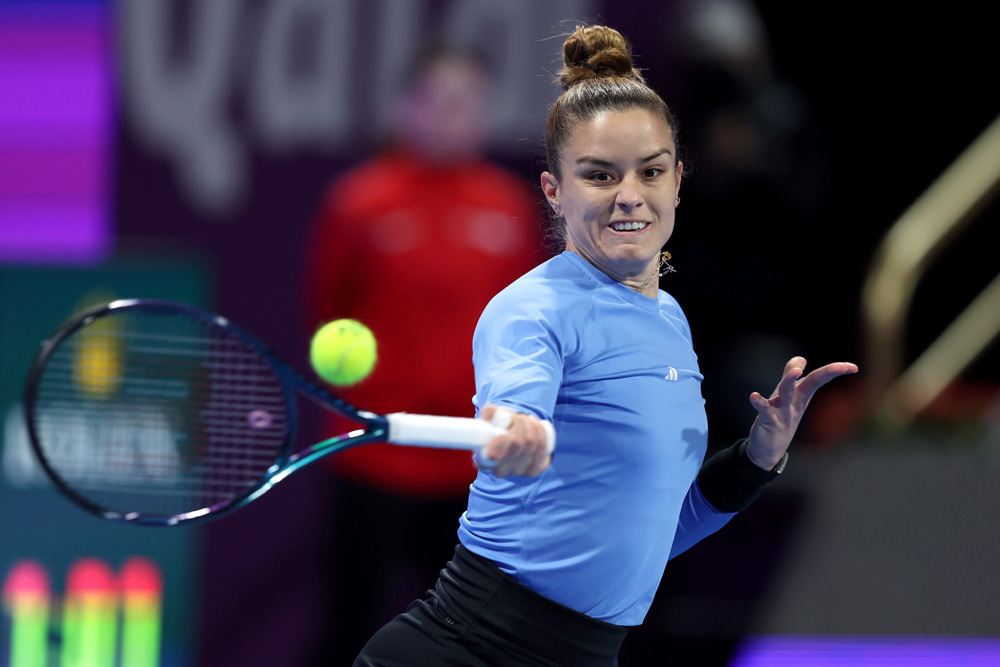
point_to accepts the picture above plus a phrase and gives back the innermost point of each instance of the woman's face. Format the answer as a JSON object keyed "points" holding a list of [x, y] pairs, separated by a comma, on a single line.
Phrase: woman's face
{"points": [[618, 190]]}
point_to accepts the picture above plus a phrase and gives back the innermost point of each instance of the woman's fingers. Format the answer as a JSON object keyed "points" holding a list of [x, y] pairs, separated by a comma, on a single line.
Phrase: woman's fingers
{"points": [[522, 450]]}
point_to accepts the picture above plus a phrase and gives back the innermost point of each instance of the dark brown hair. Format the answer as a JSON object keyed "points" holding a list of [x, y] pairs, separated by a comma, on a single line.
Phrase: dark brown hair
{"points": [[598, 75]]}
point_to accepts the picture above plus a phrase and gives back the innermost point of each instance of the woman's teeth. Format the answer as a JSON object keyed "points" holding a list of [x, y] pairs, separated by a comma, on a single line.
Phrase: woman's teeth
{"points": [[627, 226]]}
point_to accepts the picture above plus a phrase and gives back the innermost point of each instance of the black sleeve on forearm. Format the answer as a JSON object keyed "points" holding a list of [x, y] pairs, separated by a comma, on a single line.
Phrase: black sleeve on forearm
{"points": [[730, 480]]}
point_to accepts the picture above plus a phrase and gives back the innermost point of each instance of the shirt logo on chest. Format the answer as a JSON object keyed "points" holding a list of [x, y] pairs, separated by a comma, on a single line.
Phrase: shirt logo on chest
{"points": [[671, 374]]}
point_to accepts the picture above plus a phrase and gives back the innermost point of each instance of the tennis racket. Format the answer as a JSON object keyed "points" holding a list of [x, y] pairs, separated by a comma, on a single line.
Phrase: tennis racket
{"points": [[158, 413]]}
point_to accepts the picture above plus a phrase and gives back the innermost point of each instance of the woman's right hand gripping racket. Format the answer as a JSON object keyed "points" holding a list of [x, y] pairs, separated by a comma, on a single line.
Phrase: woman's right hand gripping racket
{"points": [[157, 413]]}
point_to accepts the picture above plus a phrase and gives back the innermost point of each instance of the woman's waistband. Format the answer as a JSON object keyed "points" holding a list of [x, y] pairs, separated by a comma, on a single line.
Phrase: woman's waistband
{"points": [[480, 592]]}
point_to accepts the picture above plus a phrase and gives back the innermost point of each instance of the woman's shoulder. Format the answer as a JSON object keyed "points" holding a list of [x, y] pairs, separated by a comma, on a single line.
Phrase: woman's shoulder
{"points": [[671, 309], [669, 303], [548, 306], [555, 283], [552, 297]]}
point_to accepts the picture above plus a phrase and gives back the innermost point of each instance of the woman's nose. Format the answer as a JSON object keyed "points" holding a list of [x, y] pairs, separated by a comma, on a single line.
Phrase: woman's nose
{"points": [[629, 195]]}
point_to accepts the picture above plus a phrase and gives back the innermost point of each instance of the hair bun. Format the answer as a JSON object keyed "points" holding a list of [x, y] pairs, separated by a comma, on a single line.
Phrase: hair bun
{"points": [[596, 52]]}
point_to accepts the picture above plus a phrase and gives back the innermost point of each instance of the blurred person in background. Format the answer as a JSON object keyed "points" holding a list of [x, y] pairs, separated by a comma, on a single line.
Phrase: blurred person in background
{"points": [[413, 243]]}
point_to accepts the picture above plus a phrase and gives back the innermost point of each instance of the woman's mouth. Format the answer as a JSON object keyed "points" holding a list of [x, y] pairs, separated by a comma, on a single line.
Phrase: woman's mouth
{"points": [[628, 225]]}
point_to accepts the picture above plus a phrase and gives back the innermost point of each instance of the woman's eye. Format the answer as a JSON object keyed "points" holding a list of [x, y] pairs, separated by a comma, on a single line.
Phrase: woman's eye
{"points": [[652, 172], [600, 176]]}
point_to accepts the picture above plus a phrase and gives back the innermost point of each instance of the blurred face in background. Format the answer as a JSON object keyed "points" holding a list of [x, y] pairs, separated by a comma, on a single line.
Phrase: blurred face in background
{"points": [[444, 115]]}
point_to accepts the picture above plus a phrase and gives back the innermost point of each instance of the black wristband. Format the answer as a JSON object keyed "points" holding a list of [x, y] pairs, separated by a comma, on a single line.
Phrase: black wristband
{"points": [[730, 480]]}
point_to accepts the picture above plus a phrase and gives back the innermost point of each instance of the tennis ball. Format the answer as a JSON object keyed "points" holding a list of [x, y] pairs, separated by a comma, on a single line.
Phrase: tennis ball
{"points": [[343, 352]]}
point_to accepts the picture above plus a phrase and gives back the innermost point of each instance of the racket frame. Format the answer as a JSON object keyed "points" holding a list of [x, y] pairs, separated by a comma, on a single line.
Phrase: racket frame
{"points": [[376, 427], [396, 428]]}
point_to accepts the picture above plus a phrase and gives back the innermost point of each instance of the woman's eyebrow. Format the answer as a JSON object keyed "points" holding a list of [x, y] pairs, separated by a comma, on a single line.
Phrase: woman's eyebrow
{"points": [[590, 159], [662, 151]]}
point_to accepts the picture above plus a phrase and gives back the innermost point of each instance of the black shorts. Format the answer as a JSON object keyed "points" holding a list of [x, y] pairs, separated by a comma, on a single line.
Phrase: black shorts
{"points": [[477, 616]]}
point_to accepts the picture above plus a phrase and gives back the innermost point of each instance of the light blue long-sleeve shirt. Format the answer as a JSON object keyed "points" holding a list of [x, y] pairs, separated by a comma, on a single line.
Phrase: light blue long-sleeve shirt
{"points": [[617, 375]]}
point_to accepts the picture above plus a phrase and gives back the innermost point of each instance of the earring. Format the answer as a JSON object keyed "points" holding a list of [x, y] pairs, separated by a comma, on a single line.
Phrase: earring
{"points": [[677, 201], [665, 266]]}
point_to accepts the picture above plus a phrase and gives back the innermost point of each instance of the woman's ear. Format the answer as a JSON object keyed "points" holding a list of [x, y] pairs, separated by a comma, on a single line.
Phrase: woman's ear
{"points": [[550, 188]]}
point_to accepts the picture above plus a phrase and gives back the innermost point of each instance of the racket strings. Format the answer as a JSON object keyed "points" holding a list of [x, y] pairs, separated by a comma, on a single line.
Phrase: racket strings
{"points": [[160, 415]]}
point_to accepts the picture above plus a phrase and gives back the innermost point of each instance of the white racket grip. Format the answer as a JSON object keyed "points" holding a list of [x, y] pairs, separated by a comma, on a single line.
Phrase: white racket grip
{"points": [[451, 432]]}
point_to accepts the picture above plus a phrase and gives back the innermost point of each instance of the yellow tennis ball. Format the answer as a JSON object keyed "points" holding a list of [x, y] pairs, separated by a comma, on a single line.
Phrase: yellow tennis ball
{"points": [[343, 352]]}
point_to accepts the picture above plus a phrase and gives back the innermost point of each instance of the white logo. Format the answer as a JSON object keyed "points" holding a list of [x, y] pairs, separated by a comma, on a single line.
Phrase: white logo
{"points": [[671, 374]]}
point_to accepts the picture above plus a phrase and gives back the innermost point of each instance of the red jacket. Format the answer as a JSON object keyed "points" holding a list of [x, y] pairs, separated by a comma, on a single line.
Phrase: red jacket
{"points": [[415, 251]]}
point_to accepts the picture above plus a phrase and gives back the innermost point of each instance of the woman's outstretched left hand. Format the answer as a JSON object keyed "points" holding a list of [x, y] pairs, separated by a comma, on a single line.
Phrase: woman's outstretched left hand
{"points": [[778, 416]]}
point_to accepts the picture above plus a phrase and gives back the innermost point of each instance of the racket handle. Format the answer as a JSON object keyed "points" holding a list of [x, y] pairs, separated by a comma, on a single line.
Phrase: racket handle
{"points": [[449, 432]]}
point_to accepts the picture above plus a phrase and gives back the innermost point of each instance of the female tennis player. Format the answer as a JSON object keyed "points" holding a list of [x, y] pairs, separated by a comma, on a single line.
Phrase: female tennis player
{"points": [[559, 556]]}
